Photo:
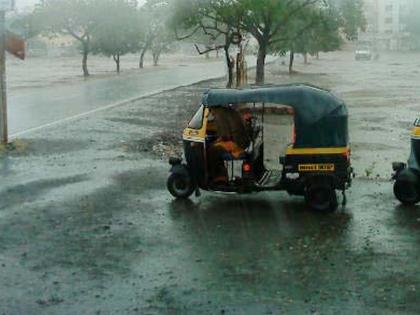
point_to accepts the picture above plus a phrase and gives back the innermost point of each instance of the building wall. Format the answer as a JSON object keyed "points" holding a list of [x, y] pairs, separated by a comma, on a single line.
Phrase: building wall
{"points": [[386, 23]]}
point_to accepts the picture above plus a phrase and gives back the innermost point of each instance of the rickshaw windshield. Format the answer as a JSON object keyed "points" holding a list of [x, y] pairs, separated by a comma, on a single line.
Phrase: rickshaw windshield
{"points": [[197, 121]]}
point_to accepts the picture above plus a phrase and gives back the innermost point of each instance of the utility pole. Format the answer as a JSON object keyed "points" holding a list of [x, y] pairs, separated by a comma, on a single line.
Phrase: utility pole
{"points": [[3, 90], [5, 6]]}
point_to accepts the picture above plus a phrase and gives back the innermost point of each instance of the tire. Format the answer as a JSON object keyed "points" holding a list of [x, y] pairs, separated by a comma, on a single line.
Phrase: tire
{"points": [[321, 197], [180, 186], [407, 192]]}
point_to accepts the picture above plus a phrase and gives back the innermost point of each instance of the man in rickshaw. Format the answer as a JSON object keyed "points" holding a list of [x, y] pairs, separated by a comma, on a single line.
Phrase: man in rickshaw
{"points": [[233, 138]]}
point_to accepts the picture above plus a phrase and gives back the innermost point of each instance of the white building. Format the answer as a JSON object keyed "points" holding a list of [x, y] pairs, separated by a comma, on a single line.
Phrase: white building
{"points": [[386, 23]]}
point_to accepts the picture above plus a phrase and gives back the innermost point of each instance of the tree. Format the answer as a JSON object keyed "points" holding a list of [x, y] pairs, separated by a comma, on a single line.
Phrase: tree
{"points": [[272, 22], [321, 27], [202, 20], [161, 44], [268, 21], [118, 33], [153, 20], [76, 18], [323, 35], [351, 16]]}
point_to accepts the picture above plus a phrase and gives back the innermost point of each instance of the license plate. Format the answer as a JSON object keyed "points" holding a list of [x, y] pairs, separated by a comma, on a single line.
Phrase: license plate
{"points": [[316, 167]]}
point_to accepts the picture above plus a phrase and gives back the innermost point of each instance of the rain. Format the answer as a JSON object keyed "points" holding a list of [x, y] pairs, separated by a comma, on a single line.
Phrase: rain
{"points": [[209, 157]]}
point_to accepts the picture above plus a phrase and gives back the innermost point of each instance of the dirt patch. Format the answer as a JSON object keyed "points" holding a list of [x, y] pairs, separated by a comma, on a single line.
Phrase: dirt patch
{"points": [[15, 147], [373, 128], [375, 120], [372, 146], [43, 147], [164, 144]]}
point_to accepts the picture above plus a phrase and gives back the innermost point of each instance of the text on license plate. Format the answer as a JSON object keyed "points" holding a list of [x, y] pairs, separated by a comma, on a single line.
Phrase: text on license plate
{"points": [[316, 167]]}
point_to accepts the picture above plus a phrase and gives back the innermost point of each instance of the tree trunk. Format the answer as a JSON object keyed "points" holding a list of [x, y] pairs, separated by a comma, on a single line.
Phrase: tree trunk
{"points": [[262, 53], [230, 66], [143, 53], [317, 56], [305, 58], [85, 53], [292, 59], [156, 56], [117, 62]]}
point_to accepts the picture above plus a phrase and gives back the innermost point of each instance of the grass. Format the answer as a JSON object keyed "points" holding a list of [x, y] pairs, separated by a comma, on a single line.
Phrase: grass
{"points": [[16, 146]]}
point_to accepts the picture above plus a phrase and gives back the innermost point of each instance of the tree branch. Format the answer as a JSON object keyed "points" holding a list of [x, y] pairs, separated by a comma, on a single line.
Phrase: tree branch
{"points": [[185, 36], [203, 52]]}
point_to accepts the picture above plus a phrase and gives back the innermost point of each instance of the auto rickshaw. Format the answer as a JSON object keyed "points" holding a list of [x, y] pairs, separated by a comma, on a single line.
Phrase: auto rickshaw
{"points": [[315, 165], [407, 175]]}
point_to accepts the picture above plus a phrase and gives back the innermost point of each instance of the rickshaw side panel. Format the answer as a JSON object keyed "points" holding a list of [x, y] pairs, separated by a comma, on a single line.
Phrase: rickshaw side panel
{"points": [[194, 141]]}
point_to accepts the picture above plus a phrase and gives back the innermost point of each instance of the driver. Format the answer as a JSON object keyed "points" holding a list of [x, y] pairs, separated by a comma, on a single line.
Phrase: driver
{"points": [[233, 139]]}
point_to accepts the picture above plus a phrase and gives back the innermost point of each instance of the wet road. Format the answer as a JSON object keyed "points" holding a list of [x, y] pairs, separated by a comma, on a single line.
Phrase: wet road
{"points": [[87, 226], [33, 108], [114, 242]]}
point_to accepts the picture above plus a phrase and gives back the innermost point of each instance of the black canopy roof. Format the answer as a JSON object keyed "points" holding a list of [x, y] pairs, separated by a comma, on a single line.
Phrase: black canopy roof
{"points": [[321, 118], [310, 103]]}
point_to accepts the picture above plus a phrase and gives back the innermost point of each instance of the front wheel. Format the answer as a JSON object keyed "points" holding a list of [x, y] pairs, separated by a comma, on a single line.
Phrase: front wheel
{"points": [[406, 192], [180, 186], [321, 197]]}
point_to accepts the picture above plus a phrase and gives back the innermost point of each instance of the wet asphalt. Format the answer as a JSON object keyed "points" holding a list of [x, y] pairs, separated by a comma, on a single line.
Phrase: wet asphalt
{"points": [[87, 226]]}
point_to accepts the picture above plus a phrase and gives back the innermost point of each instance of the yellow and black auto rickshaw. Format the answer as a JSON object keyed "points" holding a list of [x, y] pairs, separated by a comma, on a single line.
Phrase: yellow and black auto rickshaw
{"points": [[407, 175], [224, 145]]}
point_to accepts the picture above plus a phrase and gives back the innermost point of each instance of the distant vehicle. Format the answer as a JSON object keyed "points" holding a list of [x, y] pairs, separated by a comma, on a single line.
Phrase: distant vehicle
{"points": [[229, 127], [407, 176], [363, 53]]}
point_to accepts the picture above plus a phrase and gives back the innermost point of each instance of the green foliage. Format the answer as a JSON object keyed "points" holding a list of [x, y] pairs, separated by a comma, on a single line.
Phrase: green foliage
{"points": [[350, 15], [209, 22], [118, 33], [203, 21], [156, 35], [74, 17], [77, 18], [311, 32]]}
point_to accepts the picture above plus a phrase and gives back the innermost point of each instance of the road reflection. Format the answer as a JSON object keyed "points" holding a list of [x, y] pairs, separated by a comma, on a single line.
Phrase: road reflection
{"points": [[266, 241]]}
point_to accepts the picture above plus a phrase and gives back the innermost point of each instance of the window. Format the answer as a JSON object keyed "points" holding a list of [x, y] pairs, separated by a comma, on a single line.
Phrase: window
{"points": [[388, 8], [388, 20], [197, 121]]}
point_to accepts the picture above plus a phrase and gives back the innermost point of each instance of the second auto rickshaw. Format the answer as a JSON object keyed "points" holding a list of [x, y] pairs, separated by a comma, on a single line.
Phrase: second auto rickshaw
{"points": [[407, 175], [229, 128]]}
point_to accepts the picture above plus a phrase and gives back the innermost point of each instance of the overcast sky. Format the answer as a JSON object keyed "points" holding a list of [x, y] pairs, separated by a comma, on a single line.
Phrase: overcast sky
{"points": [[24, 3]]}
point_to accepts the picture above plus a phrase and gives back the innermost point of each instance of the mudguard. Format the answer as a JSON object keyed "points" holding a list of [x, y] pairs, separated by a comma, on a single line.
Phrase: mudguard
{"points": [[181, 169], [408, 175]]}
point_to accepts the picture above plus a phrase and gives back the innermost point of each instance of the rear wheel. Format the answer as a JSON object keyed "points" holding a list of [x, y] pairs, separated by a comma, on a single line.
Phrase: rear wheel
{"points": [[180, 186], [321, 197]]}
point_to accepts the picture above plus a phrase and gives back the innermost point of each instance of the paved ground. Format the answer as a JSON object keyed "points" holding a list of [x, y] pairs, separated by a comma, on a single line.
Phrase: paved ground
{"points": [[36, 106], [42, 94], [87, 227]]}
